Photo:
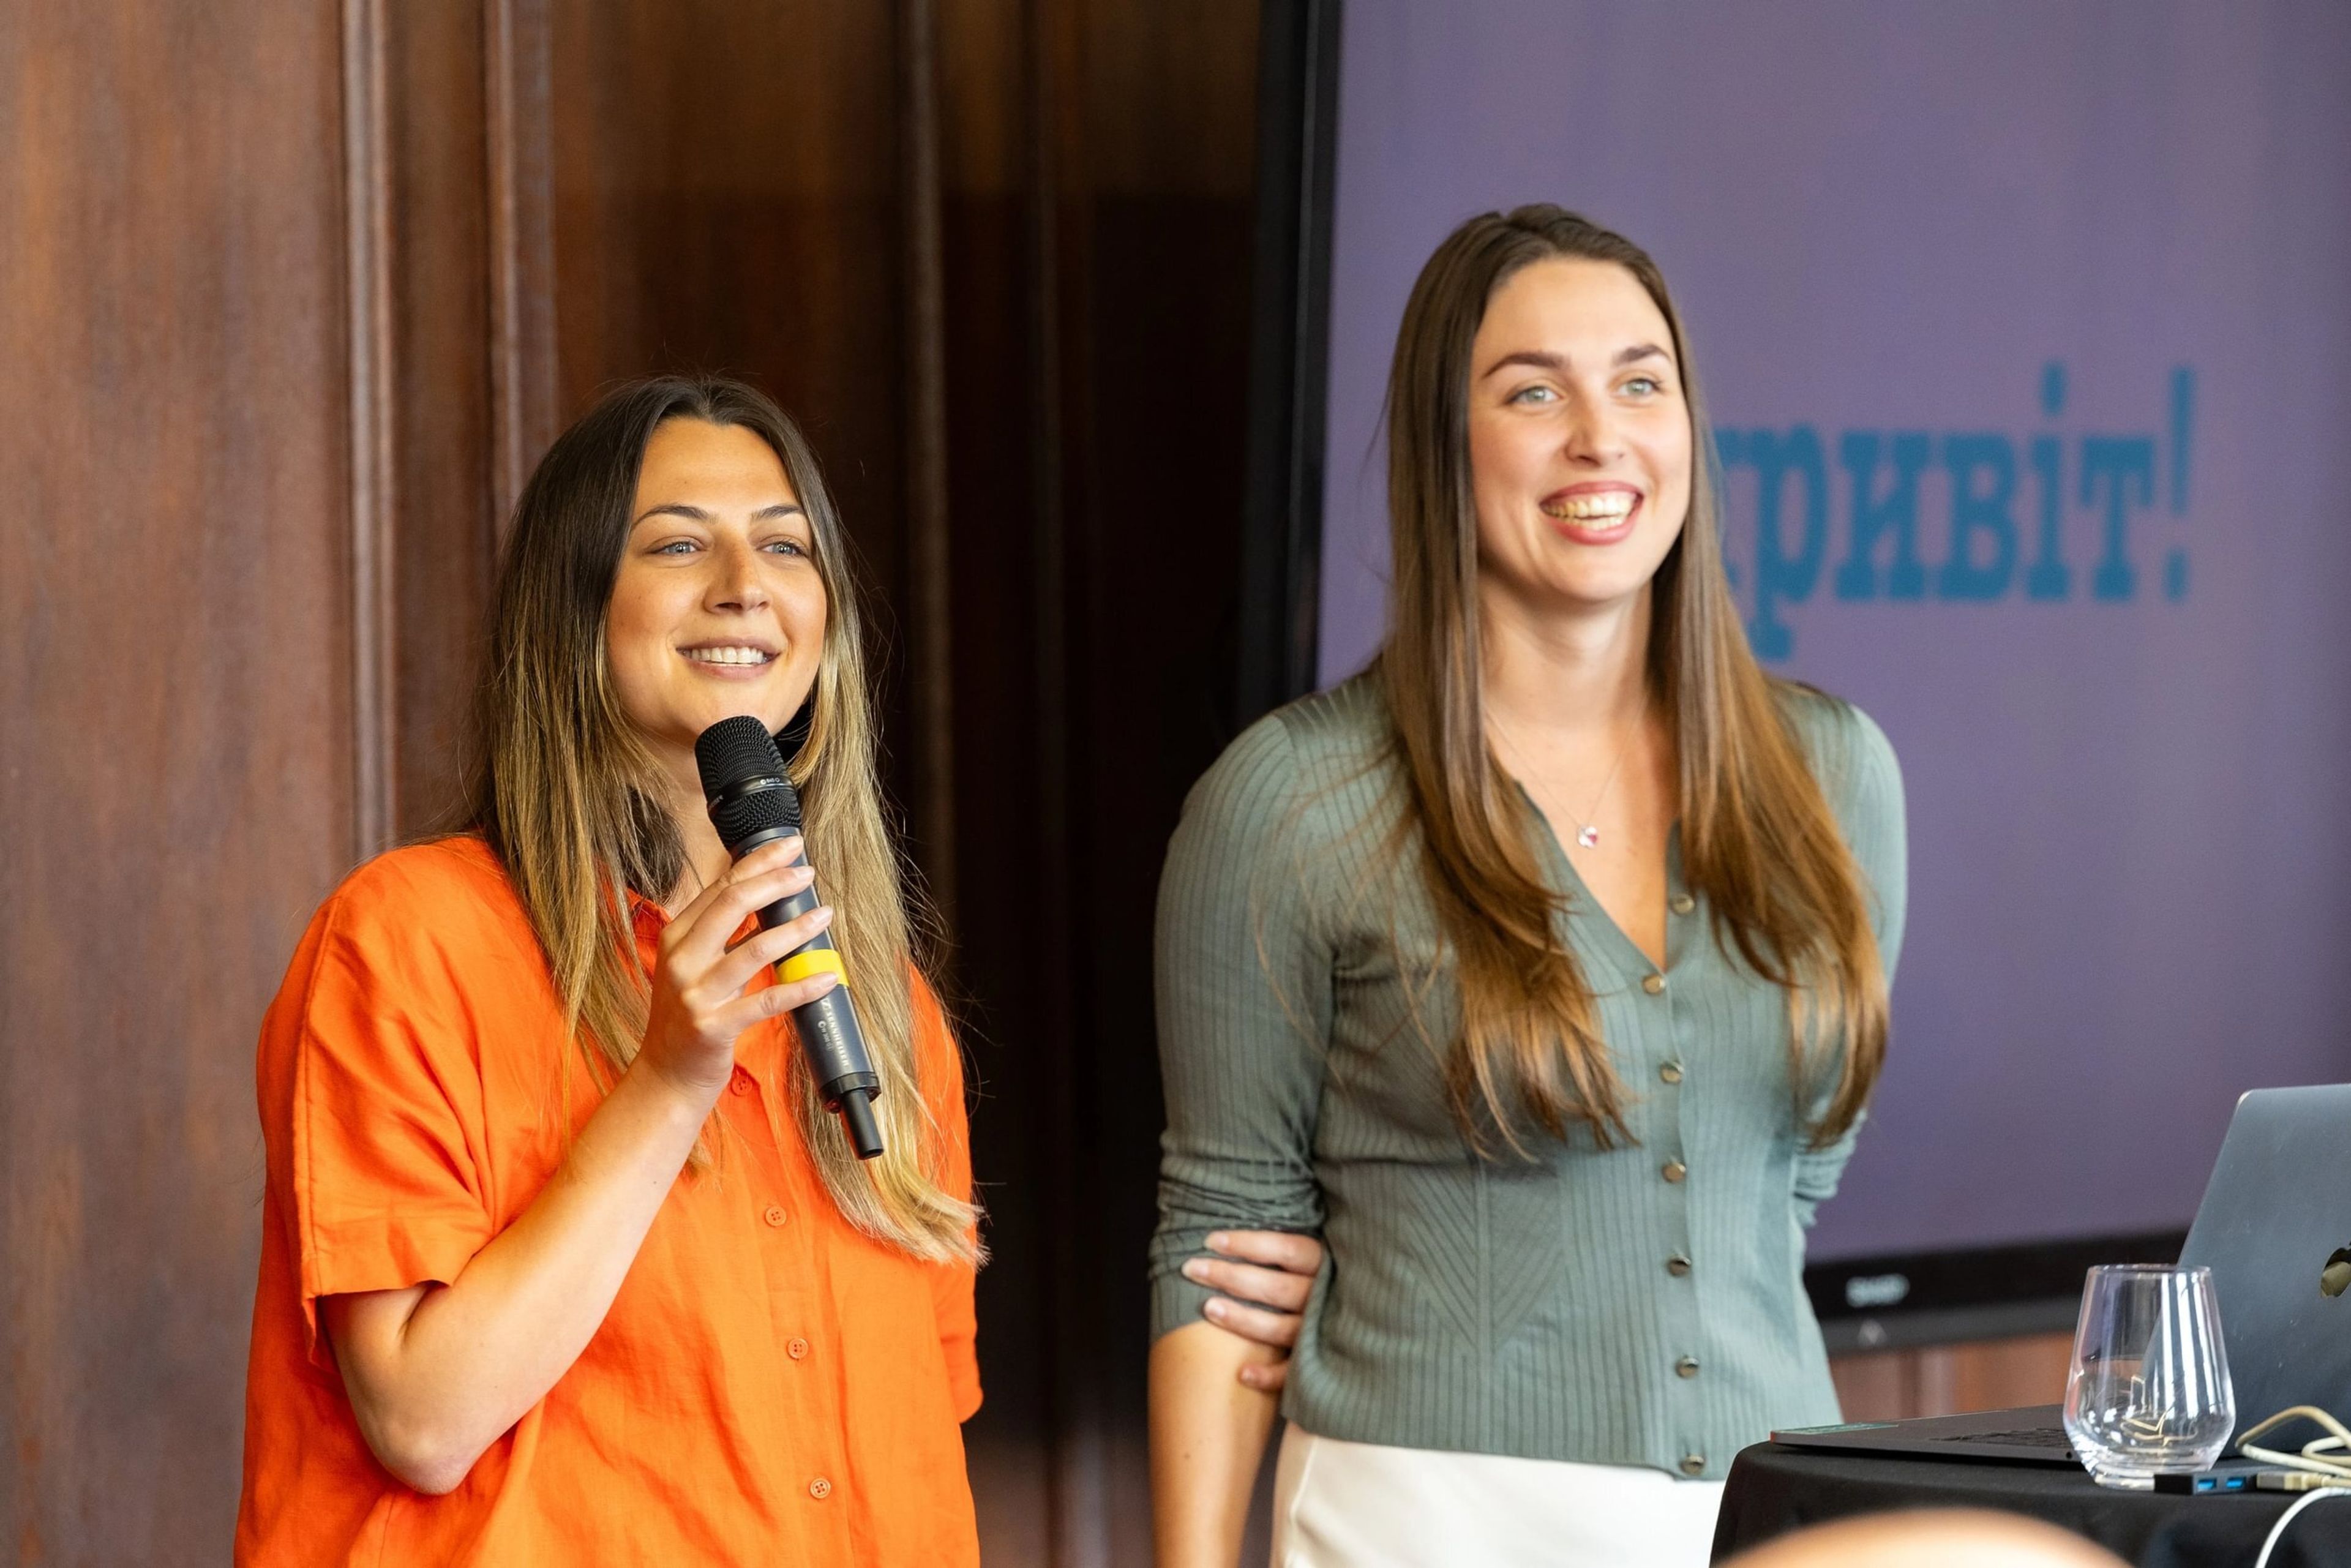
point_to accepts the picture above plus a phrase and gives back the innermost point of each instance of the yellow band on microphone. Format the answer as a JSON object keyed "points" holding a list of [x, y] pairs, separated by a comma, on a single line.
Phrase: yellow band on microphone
{"points": [[811, 961]]}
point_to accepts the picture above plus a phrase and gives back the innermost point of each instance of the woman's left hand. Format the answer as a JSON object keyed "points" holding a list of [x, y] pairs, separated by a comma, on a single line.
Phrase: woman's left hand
{"points": [[1265, 1277]]}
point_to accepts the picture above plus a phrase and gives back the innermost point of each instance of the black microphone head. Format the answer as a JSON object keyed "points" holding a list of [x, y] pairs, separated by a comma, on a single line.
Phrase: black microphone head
{"points": [[733, 752], [743, 777], [756, 813]]}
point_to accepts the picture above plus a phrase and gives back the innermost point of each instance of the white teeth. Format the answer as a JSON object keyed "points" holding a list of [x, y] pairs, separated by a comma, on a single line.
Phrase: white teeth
{"points": [[1610, 504], [727, 655]]}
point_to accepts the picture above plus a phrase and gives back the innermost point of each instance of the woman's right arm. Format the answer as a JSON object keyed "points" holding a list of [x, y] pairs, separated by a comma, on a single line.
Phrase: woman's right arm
{"points": [[438, 1373], [1215, 1385], [1207, 1438], [1244, 992]]}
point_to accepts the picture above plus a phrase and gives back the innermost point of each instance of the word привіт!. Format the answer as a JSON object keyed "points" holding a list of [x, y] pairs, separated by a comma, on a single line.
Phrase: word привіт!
{"points": [[2006, 532]]}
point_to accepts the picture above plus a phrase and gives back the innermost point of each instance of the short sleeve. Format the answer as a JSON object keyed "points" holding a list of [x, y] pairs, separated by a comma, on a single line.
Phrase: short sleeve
{"points": [[953, 1284], [1244, 983], [385, 1184]]}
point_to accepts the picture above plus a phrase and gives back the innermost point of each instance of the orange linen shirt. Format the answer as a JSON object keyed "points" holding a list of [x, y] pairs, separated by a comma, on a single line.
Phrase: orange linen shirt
{"points": [[769, 1385]]}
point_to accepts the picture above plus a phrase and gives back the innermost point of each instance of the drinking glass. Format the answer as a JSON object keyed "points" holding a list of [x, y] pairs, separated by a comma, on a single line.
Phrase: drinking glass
{"points": [[2149, 1391]]}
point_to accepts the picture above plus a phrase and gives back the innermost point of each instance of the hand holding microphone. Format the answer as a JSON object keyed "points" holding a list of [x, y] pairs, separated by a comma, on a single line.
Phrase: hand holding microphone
{"points": [[698, 1004], [753, 805]]}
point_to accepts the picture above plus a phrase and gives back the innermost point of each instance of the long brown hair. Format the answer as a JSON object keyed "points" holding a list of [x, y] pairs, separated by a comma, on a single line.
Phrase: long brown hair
{"points": [[567, 793], [1757, 837]]}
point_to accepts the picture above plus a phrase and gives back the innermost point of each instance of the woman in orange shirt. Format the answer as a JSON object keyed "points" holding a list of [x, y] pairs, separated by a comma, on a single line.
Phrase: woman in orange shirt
{"points": [[562, 1261]]}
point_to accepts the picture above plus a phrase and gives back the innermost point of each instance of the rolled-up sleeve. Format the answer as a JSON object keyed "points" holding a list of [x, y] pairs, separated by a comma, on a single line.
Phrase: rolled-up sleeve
{"points": [[385, 1122], [1244, 1008]]}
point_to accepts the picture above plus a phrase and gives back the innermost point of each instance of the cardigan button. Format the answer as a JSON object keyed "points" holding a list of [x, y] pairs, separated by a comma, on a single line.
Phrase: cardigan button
{"points": [[1653, 984], [1683, 903], [1671, 1072], [1674, 1170], [1686, 1367], [1693, 1464], [1677, 1266]]}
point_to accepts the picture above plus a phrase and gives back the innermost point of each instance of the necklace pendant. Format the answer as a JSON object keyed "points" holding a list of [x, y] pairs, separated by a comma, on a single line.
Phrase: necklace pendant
{"points": [[1588, 836]]}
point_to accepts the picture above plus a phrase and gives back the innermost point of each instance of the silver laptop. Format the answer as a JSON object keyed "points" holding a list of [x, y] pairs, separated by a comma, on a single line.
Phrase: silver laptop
{"points": [[2275, 1229]]}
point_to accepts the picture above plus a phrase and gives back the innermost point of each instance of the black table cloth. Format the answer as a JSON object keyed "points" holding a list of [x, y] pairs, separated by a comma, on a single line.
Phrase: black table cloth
{"points": [[1774, 1489]]}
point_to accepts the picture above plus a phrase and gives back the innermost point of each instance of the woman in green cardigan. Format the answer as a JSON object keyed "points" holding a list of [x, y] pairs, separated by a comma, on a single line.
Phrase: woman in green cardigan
{"points": [[1539, 970]]}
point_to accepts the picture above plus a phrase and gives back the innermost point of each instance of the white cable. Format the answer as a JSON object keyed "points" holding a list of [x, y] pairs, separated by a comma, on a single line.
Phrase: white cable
{"points": [[2286, 1518], [2307, 1461]]}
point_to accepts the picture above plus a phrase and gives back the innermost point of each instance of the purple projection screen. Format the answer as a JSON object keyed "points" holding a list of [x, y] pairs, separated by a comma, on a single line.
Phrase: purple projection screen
{"points": [[2026, 330]]}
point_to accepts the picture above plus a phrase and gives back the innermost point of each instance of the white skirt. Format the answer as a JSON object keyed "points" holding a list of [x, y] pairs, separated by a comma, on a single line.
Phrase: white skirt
{"points": [[1363, 1505]]}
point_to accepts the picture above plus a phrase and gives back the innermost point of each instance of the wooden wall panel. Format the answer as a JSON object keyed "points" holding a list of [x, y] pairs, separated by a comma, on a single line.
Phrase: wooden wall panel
{"points": [[1096, 217], [519, 111], [1008, 940], [176, 723], [1945, 1380], [727, 199], [440, 414], [728, 195]]}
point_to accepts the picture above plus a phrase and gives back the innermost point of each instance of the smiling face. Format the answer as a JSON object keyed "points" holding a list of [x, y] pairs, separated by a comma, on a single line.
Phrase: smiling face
{"points": [[718, 609], [1578, 437]]}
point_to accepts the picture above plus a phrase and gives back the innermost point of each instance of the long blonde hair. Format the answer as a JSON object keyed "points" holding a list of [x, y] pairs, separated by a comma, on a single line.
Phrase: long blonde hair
{"points": [[1757, 837], [568, 793]]}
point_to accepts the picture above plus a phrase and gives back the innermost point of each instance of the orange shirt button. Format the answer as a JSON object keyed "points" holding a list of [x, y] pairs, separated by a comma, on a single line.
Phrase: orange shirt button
{"points": [[775, 1214], [797, 1349], [742, 1082], [819, 1489]]}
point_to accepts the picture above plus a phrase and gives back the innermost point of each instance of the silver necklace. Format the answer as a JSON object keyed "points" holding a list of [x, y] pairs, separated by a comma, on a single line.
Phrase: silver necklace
{"points": [[1587, 832]]}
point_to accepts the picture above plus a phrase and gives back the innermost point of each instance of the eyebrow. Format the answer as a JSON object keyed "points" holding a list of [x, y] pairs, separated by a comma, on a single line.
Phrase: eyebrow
{"points": [[1549, 362], [680, 509]]}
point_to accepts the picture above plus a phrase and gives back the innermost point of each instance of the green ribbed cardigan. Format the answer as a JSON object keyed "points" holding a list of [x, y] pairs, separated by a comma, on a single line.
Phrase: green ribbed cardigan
{"points": [[1643, 1305]]}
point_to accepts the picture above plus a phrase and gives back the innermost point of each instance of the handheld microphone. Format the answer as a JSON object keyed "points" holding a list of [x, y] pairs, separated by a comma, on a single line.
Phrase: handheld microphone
{"points": [[751, 803]]}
